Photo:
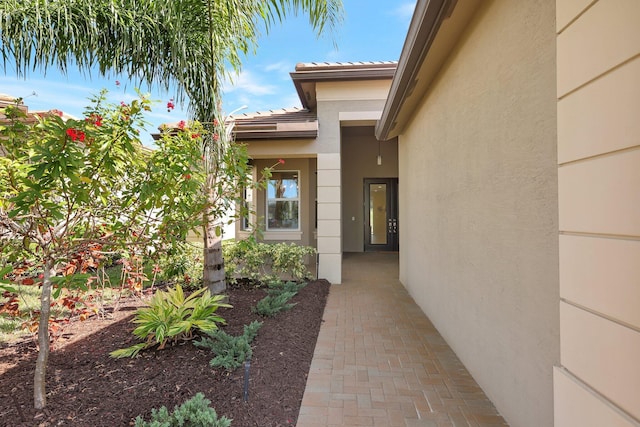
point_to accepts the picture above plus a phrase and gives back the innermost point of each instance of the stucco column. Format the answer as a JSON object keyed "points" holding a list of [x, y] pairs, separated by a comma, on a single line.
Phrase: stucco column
{"points": [[329, 217]]}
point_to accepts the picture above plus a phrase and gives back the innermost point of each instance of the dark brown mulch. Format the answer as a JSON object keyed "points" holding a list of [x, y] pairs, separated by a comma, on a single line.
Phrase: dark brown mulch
{"points": [[88, 388]]}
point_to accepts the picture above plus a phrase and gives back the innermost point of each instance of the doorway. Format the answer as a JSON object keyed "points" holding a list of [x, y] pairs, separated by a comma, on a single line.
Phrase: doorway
{"points": [[381, 214]]}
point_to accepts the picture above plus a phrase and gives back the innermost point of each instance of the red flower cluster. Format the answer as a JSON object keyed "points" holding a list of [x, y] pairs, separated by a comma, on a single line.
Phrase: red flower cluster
{"points": [[118, 83], [170, 105], [75, 134], [195, 135], [182, 124], [216, 137], [96, 119], [281, 161]]}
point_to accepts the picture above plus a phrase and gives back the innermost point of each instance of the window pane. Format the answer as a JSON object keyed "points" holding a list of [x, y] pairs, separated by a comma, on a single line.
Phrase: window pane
{"points": [[378, 213], [283, 185], [283, 214], [247, 208]]}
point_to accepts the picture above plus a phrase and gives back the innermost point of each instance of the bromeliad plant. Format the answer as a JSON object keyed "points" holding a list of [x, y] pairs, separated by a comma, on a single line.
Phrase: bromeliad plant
{"points": [[170, 316]]}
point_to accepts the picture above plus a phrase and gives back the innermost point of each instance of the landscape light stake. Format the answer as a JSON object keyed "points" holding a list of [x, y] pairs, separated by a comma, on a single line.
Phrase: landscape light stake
{"points": [[245, 392]]}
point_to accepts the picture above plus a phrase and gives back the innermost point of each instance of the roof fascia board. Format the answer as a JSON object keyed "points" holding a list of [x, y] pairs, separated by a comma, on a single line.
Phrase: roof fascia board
{"points": [[299, 134], [427, 19], [355, 74], [373, 73]]}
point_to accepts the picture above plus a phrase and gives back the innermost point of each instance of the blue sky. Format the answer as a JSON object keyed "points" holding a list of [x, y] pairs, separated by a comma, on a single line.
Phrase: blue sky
{"points": [[373, 30]]}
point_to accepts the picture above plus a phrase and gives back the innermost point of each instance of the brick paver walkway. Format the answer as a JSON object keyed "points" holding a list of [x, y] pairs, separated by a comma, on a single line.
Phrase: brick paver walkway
{"points": [[380, 362]]}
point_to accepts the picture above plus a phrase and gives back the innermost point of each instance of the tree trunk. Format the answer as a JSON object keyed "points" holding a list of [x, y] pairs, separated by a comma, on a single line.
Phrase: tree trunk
{"points": [[213, 274], [39, 377], [213, 277]]}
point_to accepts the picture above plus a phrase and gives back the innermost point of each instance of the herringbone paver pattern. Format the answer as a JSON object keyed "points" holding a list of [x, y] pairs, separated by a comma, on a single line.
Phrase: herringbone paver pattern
{"points": [[380, 362]]}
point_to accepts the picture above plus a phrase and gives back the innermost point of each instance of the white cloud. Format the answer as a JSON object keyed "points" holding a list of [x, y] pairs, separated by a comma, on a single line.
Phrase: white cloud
{"points": [[67, 97], [332, 55], [405, 10], [281, 67], [250, 84], [72, 99], [291, 100]]}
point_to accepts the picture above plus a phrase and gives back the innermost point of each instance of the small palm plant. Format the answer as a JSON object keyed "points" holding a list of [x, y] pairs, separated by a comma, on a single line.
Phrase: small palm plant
{"points": [[170, 316]]}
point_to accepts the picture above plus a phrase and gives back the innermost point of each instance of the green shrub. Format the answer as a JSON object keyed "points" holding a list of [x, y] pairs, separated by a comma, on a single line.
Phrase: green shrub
{"points": [[288, 259], [182, 263], [277, 287], [195, 412], [271, 305], [263, 261], [230, 351], [170, 316]]}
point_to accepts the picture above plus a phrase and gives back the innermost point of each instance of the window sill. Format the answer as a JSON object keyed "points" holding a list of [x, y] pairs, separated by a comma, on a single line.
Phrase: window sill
{"points": [[282, 235]]}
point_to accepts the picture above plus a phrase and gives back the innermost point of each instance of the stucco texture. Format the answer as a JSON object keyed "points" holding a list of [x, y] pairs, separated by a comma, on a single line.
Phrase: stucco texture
{"points": [[478, 206], [359, 161]]}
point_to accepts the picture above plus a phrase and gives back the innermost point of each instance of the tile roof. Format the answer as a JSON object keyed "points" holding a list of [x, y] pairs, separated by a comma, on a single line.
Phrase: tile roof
{"points": [[327, 66], [272, 124], [283, 123]]}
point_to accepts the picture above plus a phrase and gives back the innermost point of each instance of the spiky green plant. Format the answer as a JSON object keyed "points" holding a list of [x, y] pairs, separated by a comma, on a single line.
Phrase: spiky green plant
{"points": [[195, 412], [231, 351], [170, 316], [271, 305]]}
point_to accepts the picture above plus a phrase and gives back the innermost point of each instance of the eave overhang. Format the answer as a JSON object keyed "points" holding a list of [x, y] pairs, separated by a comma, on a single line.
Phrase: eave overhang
{"points": [[434, 30], [307, 75], [278, 124]]}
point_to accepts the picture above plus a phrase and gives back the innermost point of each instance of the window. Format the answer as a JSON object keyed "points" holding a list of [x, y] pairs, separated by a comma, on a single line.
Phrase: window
{"points": [[246, 209], [283, 201]]}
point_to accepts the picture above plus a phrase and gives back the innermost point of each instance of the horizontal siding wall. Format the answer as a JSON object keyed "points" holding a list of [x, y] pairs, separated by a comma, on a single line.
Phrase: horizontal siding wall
{"points": [[598, 47]]}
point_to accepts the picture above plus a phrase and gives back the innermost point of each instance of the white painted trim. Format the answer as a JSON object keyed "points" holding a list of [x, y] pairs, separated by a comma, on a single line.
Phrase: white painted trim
{"points": [[347, 116], [282, 235], [298, 199]]}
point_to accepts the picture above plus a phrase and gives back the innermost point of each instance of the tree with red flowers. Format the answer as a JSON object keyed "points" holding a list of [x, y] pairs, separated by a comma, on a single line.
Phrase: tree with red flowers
{"points": [[193, 44], [73, 189]]}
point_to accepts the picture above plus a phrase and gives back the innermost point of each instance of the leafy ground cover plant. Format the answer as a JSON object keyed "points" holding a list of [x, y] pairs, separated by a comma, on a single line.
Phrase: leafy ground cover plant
{"points": [[271, 305], [262, 262], [170, 316], [231, 351], [276, 287], [195, 412], [182, 263], [278, 295]]}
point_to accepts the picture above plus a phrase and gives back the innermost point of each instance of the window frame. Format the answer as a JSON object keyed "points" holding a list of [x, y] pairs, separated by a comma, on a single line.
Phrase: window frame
{"points": [[297, 199]]}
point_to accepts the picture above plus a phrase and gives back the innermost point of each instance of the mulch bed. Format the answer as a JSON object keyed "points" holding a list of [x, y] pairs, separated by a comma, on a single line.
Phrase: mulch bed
{"points": [[88, 388]]}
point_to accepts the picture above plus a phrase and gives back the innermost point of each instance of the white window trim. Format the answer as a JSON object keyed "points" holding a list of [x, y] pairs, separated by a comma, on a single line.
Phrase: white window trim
{"points": [[282, 235], [298, 199], [249, 199]]}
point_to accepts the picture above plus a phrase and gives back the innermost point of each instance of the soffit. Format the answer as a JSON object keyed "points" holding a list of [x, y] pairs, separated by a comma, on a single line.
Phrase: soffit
{"points": [[307, 75], [434, 31]]}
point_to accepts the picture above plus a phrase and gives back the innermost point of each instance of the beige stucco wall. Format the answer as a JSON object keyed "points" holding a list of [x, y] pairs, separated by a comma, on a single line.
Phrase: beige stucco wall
{"points": [[359, 161], [598, 380], [353, 105], [339, 103], [478, 206]]}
